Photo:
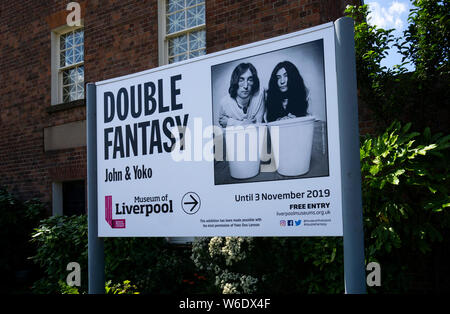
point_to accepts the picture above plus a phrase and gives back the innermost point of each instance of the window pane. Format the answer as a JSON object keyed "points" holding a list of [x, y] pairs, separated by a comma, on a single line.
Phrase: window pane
{"points": [[69, 40], [62, 42], [80, 90], [182, 57], [73, 75], [66, 78], [79, 37], [66, 93], [195, 16], [66, 98], [80, 72], [69, 57], [177, 45], [79, 54], [80, 94], [178, 58], [73, 89], [176, 22], [73, 84], [194, 2], [197, 40], [175, 5], [62, 59], [190, 3], [196, 53]]}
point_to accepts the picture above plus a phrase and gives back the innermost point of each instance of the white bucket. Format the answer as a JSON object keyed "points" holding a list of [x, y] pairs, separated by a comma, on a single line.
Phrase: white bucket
{"points": [[243, 150], [292, 144]]}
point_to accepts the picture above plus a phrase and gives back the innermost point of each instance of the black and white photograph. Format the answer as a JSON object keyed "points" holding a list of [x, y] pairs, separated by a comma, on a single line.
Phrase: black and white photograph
{"points": [[270, 115]]}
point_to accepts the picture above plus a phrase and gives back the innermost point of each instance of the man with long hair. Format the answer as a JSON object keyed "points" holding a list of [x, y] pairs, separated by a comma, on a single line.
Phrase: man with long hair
{"points": [[245, 102]]}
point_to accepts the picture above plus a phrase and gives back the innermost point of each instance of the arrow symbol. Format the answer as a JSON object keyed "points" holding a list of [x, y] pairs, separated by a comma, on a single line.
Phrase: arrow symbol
{"points": [[195, 202], [191, 203]]}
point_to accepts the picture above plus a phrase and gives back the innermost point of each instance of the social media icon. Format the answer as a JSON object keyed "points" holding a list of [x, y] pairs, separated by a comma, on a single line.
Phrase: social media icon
{"points": [[290, 222], [283, 223], [298, 222]]}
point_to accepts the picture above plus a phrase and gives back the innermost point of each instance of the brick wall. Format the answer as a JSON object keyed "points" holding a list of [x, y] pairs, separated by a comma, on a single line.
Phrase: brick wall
{"points": [[120, 38], [232, 23], [25, 72]]}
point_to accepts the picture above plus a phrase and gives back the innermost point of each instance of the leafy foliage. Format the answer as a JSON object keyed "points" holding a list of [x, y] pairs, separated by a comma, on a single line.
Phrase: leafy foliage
{"points": [[422, 96], [405, 197], [125, 287], [426, 43], [405, 173], [121, 288], [60, 240], [64, 288], [375, 82], [406, 215], [150, 263], [271, 265]]}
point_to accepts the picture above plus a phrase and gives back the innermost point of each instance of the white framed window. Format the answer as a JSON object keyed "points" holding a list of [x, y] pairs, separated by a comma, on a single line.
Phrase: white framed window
{"points": [[182, 30], [67, 65]]}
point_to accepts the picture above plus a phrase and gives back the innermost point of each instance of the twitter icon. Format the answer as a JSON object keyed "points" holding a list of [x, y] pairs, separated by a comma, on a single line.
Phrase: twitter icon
{"points": [[298, 222]]}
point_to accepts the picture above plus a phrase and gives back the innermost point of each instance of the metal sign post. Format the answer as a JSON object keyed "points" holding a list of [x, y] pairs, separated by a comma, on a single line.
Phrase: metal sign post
{"points": [[353, 235], [96, 260]]}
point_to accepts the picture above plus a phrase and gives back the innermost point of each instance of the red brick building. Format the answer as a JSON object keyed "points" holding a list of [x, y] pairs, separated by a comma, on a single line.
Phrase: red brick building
{"points": [[45, 64]]}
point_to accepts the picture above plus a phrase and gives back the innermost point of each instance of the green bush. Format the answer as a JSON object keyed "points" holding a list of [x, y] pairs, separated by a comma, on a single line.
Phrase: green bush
{"points": [[405, 200], [405, 211], [119, 288], [271, 265], [60, 240], [149, 263], [420, 96]]}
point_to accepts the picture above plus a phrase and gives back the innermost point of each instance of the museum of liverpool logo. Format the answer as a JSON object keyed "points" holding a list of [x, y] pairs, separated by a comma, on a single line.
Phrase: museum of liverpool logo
{"points": [[114, 223]]}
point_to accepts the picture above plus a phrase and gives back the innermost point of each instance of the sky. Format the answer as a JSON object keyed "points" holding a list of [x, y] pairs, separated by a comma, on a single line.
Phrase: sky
{"points": [[390, 14]]}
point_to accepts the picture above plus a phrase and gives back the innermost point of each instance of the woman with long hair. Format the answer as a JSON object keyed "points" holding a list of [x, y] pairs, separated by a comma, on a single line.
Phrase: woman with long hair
{"points": [[287, 96]]}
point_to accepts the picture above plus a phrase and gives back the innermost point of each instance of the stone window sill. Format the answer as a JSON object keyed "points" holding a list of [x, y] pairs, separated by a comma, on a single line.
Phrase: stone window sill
{"points": [[67, 105]]}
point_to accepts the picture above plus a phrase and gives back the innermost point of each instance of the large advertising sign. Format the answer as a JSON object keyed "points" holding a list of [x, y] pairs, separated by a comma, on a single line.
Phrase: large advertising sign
{"points": [[243, 142]]}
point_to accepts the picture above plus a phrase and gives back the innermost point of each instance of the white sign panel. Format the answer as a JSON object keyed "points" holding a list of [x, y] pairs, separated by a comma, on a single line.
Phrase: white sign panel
{"points": [[243, 142]]}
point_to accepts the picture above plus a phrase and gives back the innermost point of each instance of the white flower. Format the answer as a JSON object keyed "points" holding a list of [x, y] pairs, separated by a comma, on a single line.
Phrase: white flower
{"points": [[229, 289]]}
